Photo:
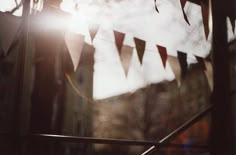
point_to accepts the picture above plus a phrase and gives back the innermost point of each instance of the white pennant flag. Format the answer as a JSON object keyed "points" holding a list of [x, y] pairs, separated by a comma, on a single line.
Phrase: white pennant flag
{"points": [[75, 43], [176, 68], [126, 57], [93, 30]]}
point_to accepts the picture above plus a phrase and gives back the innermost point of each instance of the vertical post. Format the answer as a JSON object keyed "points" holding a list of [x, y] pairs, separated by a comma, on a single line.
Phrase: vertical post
{"points": [[21, 71], [221, 141], [21, 60], [233, 84]]}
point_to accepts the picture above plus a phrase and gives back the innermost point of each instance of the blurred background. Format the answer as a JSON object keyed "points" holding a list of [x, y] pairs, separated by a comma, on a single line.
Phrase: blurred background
{"points": [[106, 69]]}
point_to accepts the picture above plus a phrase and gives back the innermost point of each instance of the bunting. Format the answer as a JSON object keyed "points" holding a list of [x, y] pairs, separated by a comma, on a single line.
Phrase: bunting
{"points": [[75, 43], [175, 66], [183, 62], [205, 16], [183, 2], [93, 31], [163, 54], [126, 57], [119, 39], [140, 46]]}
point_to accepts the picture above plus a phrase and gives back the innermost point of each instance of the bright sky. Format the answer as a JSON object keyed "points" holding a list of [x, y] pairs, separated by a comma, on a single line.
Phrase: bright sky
{"points": [[135, 18]]}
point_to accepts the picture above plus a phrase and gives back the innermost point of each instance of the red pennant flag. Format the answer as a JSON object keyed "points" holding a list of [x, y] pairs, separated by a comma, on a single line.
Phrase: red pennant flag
{"points": [[175, 66], [155, 1], [140, 46], [119, 39], [126, 57], [163, 54], [75, 43], [201, 62], [205, 16], [93, 29], [183, 2], [232, 21], [183, 63]]}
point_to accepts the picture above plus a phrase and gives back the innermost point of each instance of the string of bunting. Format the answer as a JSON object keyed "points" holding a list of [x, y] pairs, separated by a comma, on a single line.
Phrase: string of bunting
{"points": [[178, 64], [75, 43]]}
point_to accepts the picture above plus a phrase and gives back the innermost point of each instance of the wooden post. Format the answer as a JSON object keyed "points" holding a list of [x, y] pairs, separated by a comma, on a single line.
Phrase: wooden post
{"points": [[221, 140], [22, 85]]}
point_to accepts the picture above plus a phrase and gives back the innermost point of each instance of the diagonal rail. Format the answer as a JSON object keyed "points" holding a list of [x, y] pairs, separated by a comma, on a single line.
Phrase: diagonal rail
{"points": [[178, 131]]}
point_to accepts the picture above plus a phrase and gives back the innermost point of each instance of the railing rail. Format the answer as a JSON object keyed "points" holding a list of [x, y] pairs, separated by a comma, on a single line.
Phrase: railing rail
{"points": [[178, 131]]}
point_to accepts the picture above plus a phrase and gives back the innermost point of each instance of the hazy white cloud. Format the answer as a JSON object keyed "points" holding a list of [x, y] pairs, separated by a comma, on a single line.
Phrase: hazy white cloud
{"points": [[137, 18]]}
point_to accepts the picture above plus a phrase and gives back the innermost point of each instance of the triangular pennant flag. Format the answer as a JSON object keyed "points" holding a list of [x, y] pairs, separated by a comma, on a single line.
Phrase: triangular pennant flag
{"points": [[155, 1], [140, 46], [201, 62], [163, 54], [232, 21], [126, 57], [75, 43], [183, 63], [205, 16], [175, 66], [183, 2], [119, 39], [93, 29]]}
